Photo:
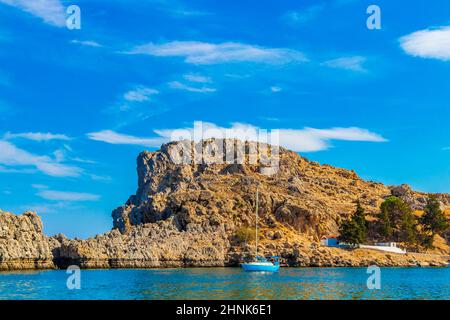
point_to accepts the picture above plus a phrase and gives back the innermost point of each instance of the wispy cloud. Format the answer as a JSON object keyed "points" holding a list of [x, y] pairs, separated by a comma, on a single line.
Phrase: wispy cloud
{"points": [[39, 186], [197, 78], [202, 53], [87, 43], [300, 140], [138, 103], [140, 94], [276, 89], [12, 156], [354, 63], [51, 11], [193, 83], [47, 208], [113, 137], [36, 136], [270, 118], [101, 178], [55, 195], [14, 170], [296, 17], [432, 43], [182, 86]]}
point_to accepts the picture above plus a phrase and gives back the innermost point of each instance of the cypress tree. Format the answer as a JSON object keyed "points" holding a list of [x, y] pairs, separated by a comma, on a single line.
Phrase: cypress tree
{"points": [[354, 230], [398, 222], [433, 221]]}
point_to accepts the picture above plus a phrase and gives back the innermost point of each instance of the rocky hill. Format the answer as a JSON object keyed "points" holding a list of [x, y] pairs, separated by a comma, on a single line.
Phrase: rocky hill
{"points": [[190, 214]]}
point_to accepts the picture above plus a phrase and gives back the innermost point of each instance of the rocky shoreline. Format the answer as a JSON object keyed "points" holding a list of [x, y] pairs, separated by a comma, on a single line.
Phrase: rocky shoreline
{"points": [[189, 215], [25, 247]]}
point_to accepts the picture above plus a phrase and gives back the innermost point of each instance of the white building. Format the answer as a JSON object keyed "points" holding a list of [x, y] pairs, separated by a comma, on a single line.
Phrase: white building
{"points": [[384, 246]]}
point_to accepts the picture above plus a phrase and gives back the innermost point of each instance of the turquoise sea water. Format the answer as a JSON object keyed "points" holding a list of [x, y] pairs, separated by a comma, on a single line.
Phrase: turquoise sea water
{"points": [[229, 283]]}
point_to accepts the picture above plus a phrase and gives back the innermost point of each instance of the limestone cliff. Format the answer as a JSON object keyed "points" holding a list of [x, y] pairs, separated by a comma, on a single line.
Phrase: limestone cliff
{"points": [[190, 214], [22, 242]]}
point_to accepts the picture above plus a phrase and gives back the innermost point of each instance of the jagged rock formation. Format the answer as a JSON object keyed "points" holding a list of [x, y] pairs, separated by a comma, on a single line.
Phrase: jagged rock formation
{"points": [[151, 245], [188, 214], [22, 243]]}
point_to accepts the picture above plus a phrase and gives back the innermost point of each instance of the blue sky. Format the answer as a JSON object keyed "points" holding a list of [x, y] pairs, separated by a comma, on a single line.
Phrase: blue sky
{"points": [[77, 106]]}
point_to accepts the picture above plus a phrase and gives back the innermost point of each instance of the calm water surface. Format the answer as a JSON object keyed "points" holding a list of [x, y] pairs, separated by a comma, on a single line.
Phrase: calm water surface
{"points": [[229, 283]]}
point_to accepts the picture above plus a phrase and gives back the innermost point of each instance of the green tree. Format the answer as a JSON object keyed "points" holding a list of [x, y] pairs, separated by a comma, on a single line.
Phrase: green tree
{"points": [[433, 221], [354, 230], [408, 230], [398, 222]]}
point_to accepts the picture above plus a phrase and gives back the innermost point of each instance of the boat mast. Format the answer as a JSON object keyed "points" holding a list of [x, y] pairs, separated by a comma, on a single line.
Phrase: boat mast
{"points": [[256, 229]]}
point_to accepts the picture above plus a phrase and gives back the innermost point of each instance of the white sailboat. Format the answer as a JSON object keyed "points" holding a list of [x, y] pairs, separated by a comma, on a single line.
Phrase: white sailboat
{"points": [[260, 263]]}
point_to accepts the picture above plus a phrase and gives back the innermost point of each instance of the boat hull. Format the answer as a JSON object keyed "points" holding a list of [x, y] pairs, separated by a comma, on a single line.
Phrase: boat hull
{"points": [[260, 267]]}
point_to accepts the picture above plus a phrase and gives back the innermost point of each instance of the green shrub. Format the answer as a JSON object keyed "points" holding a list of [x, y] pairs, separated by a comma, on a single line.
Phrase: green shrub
{"points": [[245, 234]]}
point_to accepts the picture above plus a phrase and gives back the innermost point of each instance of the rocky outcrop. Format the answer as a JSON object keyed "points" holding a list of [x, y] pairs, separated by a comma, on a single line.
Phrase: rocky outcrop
{"points": [[417, 200], [150, 245], [190, 213], [22, 242]]}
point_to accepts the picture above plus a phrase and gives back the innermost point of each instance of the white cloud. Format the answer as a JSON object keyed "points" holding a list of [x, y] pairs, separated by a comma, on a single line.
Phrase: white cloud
{"points": [[80, 160], [275, 89], [140, 94], [39, 186], [67, 196], [197, 78], [100, 178], [300, 140], [59, 155], [13, 170], [349, 134], [113, 137], [196, 52], [310, 139], [12, 156], [354, 63], [51, 11], [87, 43], [270, 118], [136, 104], [181, 86], [36, 136], [45, 208], [432, 43], [296, 17]]}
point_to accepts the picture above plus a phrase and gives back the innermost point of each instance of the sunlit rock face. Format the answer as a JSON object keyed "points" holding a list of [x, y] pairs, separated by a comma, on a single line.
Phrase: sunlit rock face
{"points": [[22, 242], [192, 200]]}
